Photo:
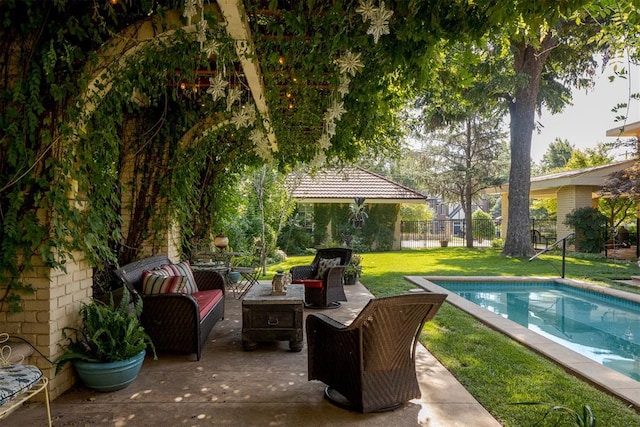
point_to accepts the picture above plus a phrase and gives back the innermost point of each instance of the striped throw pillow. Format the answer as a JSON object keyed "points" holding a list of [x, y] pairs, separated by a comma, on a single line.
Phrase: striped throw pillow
{"points": [[182, 269], [158, 282]]}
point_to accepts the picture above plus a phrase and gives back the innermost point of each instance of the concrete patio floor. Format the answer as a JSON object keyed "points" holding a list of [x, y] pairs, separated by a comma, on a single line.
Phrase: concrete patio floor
{"points": [[264, 387]]}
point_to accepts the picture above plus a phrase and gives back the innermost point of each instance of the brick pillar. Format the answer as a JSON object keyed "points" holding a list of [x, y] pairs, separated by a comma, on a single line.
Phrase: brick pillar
{"points": [[54, 305], [570, 198]]}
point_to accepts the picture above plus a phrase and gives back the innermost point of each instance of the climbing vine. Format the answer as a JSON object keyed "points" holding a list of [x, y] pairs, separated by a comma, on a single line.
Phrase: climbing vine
{"points": [[63, 149]]}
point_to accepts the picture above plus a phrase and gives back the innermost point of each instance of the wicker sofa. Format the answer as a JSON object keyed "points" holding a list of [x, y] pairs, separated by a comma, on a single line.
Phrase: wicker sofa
{"points": [[177, 322]]}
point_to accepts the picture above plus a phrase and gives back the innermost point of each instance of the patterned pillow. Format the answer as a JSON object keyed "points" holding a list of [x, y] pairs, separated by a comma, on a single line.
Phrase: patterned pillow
{"points": [[158, 282], [182, 269], [324, 265]]}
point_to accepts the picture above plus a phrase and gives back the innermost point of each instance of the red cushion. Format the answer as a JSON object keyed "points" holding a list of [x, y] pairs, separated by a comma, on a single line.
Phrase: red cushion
{"points": [[206, 300], [309, 283]]}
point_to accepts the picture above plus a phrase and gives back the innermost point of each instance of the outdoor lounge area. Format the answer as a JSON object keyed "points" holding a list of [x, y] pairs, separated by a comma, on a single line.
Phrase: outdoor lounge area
{"points": [[137, 130], [266, 386]]}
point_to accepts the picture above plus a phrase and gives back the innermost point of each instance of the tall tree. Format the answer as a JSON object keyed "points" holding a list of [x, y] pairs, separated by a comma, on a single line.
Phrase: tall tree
{"points": [[465, 159], [527, 63]]}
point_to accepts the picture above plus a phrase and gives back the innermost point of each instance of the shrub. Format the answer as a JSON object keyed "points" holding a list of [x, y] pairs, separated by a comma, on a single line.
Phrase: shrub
{"points": [[497, 243], [589, 225], [483, 226]]}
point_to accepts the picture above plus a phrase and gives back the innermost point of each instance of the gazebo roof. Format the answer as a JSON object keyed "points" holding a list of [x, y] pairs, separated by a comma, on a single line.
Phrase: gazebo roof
{"points": [[342, 185]]}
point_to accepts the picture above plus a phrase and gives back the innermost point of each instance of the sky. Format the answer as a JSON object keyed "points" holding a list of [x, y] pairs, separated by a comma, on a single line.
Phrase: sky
{"points": [[586, 122]]}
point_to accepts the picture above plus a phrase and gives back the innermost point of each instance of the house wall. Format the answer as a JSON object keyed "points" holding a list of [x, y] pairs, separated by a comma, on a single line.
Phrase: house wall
{"points": [[331, 218]]}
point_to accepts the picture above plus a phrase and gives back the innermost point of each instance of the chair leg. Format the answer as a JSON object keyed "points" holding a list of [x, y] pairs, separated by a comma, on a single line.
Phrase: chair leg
{"points": [[46, 400]]}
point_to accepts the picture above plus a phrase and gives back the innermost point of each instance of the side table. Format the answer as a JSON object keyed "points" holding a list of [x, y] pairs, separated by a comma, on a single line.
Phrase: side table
{"points": [[249, 277], [267, 317]]}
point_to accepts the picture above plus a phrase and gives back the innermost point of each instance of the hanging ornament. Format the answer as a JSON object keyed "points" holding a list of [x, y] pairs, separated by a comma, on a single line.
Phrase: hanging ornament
{"points": [[243, 117], [379, 22], [201, 35], [343, 87], [260, 144], [366, 9], [217, 87], [324, 141], [234, 95], [189, 10], [336, 111], [349, 63], [331, 129], [320, 159], [212, 48]]}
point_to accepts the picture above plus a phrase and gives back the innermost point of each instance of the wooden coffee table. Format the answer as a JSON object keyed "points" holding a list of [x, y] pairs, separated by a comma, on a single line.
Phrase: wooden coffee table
{"points": [[267, 317]]}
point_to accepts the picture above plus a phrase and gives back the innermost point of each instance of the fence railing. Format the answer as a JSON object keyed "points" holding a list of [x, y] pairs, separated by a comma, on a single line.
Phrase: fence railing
{"points": [[451, 232]]}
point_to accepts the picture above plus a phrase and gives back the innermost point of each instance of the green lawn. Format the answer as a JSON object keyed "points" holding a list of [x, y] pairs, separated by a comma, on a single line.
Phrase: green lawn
{"points": [[500, 373]]}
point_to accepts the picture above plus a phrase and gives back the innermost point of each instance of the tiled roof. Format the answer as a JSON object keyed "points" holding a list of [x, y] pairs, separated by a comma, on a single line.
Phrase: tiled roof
{"points": [[344, 184]]}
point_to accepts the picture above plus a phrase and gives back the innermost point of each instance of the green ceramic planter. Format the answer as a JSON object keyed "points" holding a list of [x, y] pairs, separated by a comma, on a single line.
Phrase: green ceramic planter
{"points": [[110, 376], [234, 277]]}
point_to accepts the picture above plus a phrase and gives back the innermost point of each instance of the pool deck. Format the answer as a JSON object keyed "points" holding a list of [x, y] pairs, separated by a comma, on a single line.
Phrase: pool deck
{"points": [[600, 376]]}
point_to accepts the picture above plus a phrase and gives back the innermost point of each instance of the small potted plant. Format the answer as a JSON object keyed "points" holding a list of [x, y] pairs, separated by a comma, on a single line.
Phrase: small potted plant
{"points": [[108, 350], [353, 270]]}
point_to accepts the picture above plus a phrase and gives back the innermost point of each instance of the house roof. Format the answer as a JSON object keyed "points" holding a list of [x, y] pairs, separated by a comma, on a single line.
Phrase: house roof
{"points": [[629, 129], [546, 186], [342, 185]]}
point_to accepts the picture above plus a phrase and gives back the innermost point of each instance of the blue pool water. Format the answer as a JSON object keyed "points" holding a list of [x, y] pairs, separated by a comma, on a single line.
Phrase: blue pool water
{"points": [[601, 327]]}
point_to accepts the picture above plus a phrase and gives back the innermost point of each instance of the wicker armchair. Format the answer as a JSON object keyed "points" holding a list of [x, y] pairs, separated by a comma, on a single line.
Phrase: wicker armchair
{"points": [[324, 292], [369, 366]]}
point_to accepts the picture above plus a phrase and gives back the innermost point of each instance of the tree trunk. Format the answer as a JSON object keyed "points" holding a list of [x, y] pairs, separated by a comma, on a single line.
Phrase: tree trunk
{"points": [[258, 185], [528, 61], [468, 187]]}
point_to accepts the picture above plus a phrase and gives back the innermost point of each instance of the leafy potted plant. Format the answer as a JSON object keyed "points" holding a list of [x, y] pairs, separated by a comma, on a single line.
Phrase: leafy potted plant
{"points": [[353, 270], [108, 350]]}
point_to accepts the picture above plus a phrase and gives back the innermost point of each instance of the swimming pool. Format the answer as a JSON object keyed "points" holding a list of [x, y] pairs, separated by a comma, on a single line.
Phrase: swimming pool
{"points": [[590, 330], [603, 328]]}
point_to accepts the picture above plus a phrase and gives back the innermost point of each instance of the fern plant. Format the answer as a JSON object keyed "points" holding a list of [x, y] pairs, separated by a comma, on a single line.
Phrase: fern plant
{"points": [[109, 333]]}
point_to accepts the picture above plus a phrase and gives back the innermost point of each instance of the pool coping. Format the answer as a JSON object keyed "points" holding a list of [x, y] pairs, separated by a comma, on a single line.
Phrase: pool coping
{"points": [[594, 373]]}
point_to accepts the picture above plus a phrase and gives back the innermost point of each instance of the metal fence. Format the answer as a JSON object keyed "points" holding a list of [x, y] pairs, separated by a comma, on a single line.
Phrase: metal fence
{"points": [[436, 233]]}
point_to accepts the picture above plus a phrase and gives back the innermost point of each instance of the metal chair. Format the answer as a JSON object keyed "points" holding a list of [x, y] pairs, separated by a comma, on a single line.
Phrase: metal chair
{"points": [[369, 365], [328, 290], [18, 382]]}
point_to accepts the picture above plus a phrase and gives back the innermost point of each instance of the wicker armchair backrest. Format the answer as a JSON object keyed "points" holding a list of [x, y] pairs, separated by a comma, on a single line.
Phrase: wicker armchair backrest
{"points": [[327, 253], [390, 328]]}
